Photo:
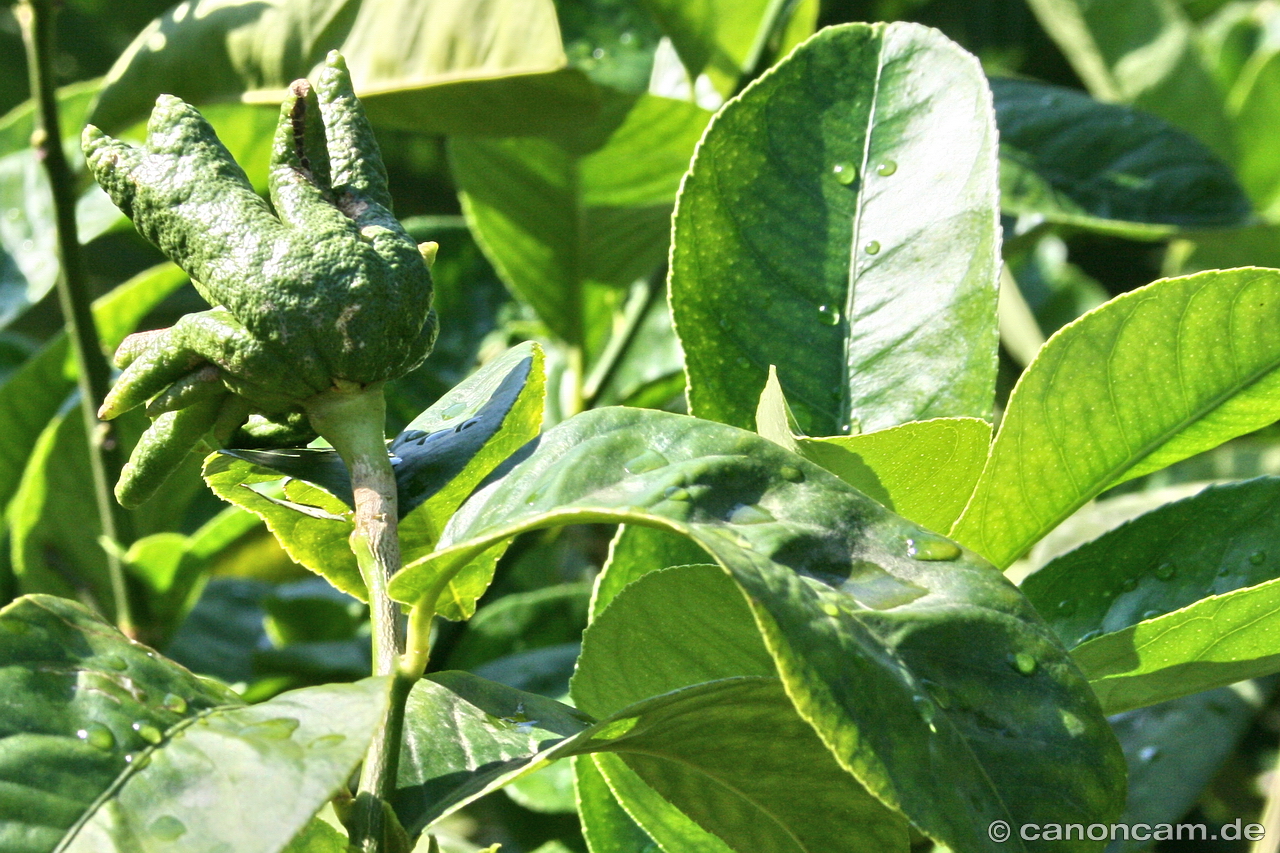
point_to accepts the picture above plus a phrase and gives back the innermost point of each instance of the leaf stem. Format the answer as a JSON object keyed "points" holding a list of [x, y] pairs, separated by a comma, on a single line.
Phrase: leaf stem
{"points": [[352, 419], [37, 20]]}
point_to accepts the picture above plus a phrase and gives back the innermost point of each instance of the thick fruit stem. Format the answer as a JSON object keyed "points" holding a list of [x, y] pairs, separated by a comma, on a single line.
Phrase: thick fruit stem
{"points": [[351, 419]]}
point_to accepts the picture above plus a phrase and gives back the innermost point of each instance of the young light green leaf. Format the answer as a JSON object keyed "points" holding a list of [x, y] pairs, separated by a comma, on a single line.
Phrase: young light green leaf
{"points": [[1254, 112], [635, 551], [867, 617], [670, 829], [492, 67], [81, 703], [1106, 167], [1150, 378], [1144, 53], [924, 471], [569, 225], [246, 779], [800, 219]]}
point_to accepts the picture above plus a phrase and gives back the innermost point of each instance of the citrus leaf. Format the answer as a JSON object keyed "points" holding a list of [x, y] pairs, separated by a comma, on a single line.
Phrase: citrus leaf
{"points": [[1152, 377], [800, 220], [861, 631]]}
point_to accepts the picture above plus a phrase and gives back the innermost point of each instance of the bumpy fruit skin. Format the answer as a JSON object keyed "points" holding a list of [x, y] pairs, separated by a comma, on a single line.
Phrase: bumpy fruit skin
{"points": [[327, 291]]}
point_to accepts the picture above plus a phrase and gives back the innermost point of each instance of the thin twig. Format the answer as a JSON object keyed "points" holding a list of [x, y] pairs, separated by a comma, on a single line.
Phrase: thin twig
{"points": [[37, 19]]}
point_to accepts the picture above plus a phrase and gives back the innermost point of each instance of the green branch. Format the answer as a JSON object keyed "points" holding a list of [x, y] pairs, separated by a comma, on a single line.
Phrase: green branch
{"points": [[36, 17]]}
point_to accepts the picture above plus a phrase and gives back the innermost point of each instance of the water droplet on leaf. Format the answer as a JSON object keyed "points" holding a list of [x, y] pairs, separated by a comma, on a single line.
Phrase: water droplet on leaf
{"points": [[327, 741], [1024, 663], [650, 460], [830, 609], [276, 729], [790, 474], [1067, 606], [1152, 614], [148, 732], [168, 828], [749, 514], [846, 173], [887, 168], [931, 547], [1129, 584], [1258, 557], [1165, 571], [827, 315], [453, 411], [1091, 635], [1148, 753], [872, 248], [175, 703], [675, 493], [97, 736], [115, 662]]}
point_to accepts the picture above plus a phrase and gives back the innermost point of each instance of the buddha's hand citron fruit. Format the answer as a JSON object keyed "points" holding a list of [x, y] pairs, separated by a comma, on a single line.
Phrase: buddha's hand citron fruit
{"points": [[321, 289]]}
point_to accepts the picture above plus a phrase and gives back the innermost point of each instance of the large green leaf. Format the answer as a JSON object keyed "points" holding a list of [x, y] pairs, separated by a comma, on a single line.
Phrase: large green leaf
{"points": [[1150, 378], [606, 826], [81, 704], [569, 225], [723, 38], [1145, 53], [1177, 601], [440, 457], [444, 67], [848, 199], [1254, 112], [670, 829], [521, 622], [1107, 167], [246, 779], [32, 395], [691, 625], [868, 618]]}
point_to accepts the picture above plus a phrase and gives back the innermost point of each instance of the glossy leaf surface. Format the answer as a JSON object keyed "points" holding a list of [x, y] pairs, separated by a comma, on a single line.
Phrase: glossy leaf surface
{"points": [[1150, 378], [269, 768], [837, 597], [81, 703], [1107, 167], [801, 219], [443, 67]]}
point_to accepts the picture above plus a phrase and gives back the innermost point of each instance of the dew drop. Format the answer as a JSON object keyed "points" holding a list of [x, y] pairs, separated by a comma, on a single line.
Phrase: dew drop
{"points": [[887, 168], [1152, 614], [1165, 571], [1067, 606], [846, 173], [1129, 584], [115, 662], [928, 711], [14, 214], [749, 514], [939, 693], [148, 732], [1091, 635], [675, 493], [1257, 558], [1073, 724], [827, 315], [1148, 753], [175, 703], [453, 411], [830, 609], [872, 248], [1024, 663], [275, 729], [650, 460], [932, 548], [790, 474], [168, 828], [97, 736], [28, 245], [327, 741], [139, 760]]}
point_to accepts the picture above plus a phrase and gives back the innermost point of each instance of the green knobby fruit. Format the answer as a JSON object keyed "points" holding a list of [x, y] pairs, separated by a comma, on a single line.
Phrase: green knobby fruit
{"points": [[321, 289]]}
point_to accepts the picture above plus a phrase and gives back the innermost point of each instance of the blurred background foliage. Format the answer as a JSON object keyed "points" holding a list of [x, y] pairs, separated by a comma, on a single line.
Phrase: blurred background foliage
{"points": [[542, 145]]}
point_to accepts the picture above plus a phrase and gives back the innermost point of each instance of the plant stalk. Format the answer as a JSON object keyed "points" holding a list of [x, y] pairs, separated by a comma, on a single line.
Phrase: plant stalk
{"points": [[352, 419], [37, 20]]}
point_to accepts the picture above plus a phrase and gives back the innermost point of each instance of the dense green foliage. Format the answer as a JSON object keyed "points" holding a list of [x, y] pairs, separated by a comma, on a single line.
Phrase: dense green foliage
{"points": [[850, 426]]}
